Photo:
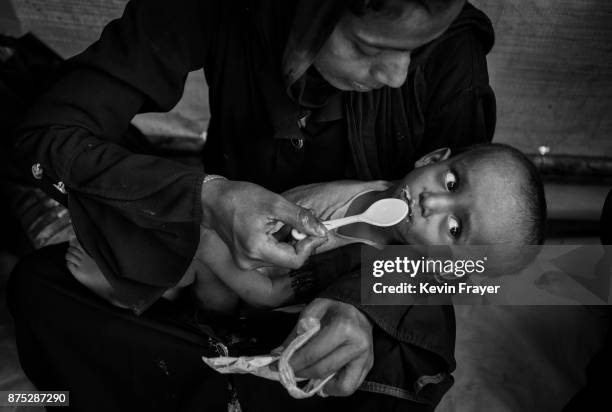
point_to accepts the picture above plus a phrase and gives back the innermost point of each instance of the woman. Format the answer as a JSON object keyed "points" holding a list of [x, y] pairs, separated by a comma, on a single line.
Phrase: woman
{"points": [[300, 91]]}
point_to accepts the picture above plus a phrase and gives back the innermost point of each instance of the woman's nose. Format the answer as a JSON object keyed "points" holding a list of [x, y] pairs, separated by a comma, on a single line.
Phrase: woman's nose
{"points": [[432, 203], [392, 69]]}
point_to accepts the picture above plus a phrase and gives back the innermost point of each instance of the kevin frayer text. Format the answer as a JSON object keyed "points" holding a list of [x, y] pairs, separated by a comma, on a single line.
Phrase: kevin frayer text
{"points": [[429, 288]]}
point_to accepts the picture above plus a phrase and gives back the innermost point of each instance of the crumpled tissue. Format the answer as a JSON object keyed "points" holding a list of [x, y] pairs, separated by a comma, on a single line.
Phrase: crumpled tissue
{"points": [[276, 366]]}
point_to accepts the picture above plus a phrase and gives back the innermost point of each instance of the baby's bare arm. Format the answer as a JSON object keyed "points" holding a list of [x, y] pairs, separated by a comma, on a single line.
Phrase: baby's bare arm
{"points": [[253, 286]]}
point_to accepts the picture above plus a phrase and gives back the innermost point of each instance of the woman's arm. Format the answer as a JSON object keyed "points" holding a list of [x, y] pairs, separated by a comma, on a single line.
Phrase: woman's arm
{"points": [[138, 216], [74, 135]]}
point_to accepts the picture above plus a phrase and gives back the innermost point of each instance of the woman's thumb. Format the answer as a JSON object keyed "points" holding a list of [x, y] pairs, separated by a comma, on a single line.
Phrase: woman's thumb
{"points": [[302, 219]]}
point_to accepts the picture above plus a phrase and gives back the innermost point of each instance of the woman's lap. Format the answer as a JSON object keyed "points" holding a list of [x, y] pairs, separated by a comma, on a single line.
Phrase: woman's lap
{"points": [[109, 359]]}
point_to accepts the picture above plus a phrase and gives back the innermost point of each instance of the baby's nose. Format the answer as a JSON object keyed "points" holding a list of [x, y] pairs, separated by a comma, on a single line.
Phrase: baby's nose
{"points": [[431, 203]]}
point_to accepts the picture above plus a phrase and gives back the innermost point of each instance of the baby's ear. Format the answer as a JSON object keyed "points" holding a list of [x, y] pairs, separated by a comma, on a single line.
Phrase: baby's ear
{"points": [[436, 156]]}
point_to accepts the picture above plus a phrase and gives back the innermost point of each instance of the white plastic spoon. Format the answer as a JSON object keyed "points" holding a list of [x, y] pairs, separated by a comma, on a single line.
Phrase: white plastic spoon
{"points": [[384, 212]]}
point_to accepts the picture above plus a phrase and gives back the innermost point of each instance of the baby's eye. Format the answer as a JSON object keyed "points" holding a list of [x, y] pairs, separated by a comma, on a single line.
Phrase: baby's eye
{"points": [[450, 181], [454, 227]]}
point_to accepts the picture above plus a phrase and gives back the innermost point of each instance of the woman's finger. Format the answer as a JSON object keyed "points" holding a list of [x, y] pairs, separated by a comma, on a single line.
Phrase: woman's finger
{"points": [[72, 259], [306, 247], [283, 234], [333, 362], [348, 379], [77, 258], [299, 218], [286, 255], [323, 344], [316, 309], [76, 251]]}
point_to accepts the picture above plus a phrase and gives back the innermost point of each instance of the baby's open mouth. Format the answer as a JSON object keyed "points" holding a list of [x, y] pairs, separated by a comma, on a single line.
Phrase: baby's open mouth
{"points": [[407, 197]]}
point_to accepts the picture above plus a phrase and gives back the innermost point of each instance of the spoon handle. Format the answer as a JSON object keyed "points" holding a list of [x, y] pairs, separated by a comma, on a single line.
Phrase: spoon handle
{"points": [[329, 225], [343, 221]]}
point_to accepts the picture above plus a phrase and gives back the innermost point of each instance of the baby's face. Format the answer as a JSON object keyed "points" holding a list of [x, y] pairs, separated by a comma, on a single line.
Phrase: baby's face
{"points": [[466, 199]]}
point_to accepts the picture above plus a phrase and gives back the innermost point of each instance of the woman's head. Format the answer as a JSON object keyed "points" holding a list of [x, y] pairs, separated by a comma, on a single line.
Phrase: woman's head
{"points": [[370, 46]]}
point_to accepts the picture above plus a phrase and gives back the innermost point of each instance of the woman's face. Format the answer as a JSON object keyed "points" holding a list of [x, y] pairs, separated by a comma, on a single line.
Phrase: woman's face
{"points": [[371, 51]]}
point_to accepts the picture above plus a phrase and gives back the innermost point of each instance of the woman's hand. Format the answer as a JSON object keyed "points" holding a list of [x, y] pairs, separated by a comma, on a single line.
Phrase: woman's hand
{"points": [[246, 216], [343, 345]]}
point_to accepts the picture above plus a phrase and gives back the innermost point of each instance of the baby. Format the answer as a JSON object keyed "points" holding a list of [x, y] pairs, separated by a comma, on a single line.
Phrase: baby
{"points": [[488, 194]]}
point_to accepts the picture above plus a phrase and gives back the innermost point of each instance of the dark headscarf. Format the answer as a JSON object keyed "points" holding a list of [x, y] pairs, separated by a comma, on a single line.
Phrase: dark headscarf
{"points": [[315, 20], [313, 23], [385, 126]]}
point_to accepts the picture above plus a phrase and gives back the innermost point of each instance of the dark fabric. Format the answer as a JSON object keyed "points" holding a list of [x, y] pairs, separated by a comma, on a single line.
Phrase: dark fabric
{"points": [[27, 66], [138, 215], [108, 358], [258, 395], [605, 226], [111, 360], [595, 394], [598, 379], [323, 128]]}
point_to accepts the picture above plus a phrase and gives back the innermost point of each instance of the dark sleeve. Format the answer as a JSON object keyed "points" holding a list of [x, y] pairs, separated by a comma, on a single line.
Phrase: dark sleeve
{"points": [[460, 109], [137, 215]]}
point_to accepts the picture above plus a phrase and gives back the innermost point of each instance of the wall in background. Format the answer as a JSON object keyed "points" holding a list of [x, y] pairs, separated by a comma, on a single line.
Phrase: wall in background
{"points": [[551, 67], [9, 23], [68, 26]]}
